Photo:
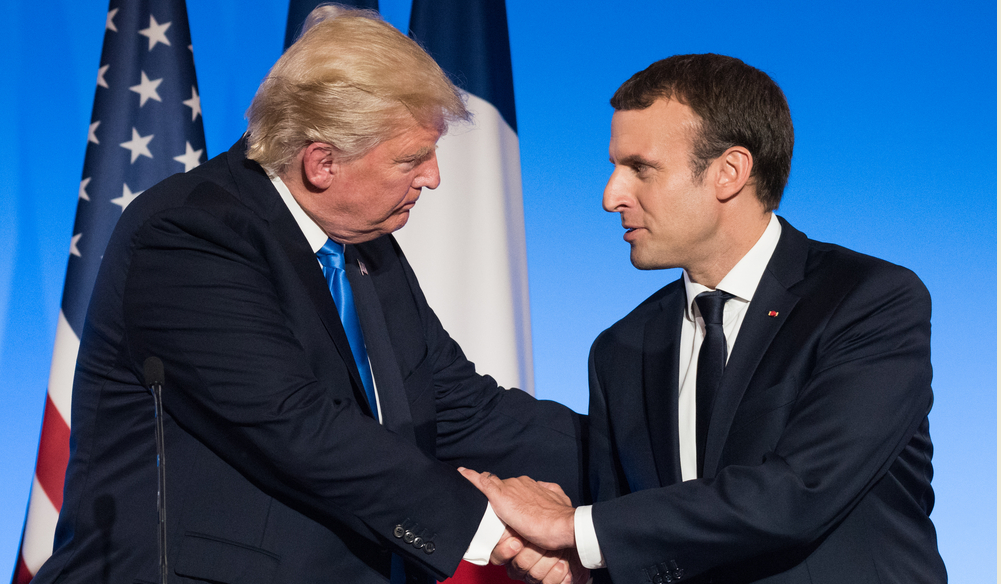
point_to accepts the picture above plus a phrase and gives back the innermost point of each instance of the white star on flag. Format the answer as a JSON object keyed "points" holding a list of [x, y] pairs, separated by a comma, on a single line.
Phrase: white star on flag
{"points": [[138, 145], [156, 33], [110, 23], [191, 157], [157, 58], [83, 189], [73, 248], [195, 103], [147, 89], [100, 76], [127, 197]]}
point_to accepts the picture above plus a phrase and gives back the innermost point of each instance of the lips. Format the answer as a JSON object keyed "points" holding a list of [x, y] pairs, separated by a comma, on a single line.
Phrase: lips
{"points": [[631, 233]]}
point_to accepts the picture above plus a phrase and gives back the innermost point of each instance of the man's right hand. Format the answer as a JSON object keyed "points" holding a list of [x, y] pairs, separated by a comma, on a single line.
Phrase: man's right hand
{"points": [[534, 565]]}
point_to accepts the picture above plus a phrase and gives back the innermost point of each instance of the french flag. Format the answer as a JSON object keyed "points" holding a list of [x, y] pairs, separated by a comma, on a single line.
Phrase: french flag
{"points": [[466, 239]]}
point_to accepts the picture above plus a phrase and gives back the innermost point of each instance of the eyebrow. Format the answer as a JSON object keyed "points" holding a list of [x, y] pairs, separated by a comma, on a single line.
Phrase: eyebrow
{"points": [[636, 160], [419, 156]]}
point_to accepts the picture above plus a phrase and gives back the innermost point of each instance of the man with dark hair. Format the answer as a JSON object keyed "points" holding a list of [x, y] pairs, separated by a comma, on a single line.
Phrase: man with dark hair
{"points": [[796, 452]]}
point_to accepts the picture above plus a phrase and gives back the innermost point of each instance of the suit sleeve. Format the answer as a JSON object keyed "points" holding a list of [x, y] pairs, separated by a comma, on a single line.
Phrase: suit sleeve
{"points": [[863, 399], [486, 428], [202, 297]]}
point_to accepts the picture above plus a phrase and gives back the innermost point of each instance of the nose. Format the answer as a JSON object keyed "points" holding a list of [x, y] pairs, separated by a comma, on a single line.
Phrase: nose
{"points": [[615, 197], [428, 177]]}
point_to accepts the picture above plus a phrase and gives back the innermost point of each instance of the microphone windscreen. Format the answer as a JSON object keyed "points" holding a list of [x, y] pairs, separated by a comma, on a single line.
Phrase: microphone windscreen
{"points": [[153, 371]]}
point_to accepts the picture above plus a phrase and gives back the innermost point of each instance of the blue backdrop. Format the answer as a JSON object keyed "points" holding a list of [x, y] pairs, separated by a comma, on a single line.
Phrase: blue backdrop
{"points": [[895, 113]]}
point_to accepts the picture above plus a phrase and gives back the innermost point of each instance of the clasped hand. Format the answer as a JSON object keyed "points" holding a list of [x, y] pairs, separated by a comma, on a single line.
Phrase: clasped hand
{"points": [[538, 545]]}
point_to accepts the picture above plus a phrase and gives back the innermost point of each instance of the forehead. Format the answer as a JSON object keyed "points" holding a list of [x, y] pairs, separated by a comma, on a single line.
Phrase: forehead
{"points": [[411, 141], [667, 125]]}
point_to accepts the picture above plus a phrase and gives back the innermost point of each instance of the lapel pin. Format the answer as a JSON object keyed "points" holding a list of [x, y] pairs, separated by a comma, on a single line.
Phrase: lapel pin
{"points": [[773, 313], [361, 266]]}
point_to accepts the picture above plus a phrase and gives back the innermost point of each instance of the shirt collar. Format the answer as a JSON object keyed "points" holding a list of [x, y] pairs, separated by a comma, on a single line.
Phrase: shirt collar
{"points": [[742, 279], [314, 234]]}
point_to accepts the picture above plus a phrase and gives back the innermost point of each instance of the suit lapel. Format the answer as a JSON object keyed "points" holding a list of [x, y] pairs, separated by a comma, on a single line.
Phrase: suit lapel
{"points": [[660, 385], [385, 369], [260, 195], [769, 309]]}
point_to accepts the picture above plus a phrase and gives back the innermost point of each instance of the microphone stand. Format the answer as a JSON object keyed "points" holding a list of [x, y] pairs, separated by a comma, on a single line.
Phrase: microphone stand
{"points": [[153, 370]]}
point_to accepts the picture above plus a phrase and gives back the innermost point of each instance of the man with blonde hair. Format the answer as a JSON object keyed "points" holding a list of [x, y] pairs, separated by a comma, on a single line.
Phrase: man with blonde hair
{"points": [[315, 409]]}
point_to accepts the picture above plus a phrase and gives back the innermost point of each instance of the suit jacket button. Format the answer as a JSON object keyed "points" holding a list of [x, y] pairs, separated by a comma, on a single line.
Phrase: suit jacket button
{"points": [[409, 536], [429, 547], [398, 531], [418, 542]]}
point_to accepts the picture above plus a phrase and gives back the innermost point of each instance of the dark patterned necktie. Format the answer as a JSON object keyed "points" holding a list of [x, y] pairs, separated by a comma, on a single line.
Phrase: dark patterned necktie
{"points": [[712, 360]]}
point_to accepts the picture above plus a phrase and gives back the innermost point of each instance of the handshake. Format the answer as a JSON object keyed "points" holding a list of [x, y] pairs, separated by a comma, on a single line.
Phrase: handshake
{"points": [[538, 545]]}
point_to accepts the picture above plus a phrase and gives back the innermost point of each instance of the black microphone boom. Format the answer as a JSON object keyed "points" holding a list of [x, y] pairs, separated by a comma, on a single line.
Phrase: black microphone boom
{"points": [[153, 372]]}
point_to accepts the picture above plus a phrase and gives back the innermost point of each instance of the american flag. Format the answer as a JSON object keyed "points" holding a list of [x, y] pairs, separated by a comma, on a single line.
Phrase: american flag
{"points": [[146, 125]]}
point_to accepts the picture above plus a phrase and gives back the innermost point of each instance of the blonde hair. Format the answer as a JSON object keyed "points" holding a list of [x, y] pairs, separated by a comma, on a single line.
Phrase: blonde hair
{"points": [[351, 80]]}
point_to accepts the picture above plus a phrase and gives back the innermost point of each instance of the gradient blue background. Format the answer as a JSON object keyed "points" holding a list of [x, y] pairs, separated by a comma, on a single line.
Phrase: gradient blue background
{"points": [[895, 111]]}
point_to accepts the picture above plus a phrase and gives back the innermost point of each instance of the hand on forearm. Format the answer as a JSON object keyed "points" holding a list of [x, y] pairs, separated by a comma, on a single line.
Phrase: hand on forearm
{"points": [[539, 512]]}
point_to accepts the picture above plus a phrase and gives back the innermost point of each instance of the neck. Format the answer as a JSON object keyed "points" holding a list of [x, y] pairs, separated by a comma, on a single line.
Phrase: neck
{"points": [[729, 247]]}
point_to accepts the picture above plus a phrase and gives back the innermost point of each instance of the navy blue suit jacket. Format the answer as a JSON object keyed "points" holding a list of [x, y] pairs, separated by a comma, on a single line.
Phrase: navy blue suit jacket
{"points": [[818, 458], [276, 470]]}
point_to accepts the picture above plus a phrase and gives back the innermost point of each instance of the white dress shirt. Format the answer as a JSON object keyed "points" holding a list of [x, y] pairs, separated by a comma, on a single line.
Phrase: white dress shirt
{"points": [[741, 281], [491, 528]]}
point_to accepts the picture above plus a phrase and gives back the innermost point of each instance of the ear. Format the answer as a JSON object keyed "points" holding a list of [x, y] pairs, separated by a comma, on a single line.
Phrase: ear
{"points": [[318, 166], [733, 172]]}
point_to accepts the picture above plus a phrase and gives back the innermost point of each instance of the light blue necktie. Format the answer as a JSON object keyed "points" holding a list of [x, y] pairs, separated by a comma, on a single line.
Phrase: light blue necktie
{"points": [[331, 257]]}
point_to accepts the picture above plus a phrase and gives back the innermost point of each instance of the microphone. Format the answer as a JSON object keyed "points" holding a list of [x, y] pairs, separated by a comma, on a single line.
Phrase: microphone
{"points": [[153, 372]]}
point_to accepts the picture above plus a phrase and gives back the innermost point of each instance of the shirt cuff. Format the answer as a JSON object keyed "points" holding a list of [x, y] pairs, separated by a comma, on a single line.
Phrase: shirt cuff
{"points": [[587, 540], [487, 536]]}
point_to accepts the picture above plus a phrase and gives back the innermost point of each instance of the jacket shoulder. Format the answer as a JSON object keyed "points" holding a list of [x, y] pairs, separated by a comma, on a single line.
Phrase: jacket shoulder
{"points": [[629, 326]]}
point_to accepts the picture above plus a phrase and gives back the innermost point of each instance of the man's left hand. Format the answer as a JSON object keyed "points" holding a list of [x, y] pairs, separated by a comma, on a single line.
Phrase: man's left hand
{"points": [[539, 512]]}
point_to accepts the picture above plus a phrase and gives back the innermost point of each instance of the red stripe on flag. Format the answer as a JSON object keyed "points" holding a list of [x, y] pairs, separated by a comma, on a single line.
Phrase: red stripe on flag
{"points": [[21, 573], [472, 574], [53, 454]]}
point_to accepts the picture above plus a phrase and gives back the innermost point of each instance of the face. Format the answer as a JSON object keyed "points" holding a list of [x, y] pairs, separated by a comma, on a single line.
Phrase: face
{"points": [[372, 195], [670, 217]]}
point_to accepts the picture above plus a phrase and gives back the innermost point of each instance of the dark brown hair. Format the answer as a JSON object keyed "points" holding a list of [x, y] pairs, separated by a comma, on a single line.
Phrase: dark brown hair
{"points": [[738, 106]]}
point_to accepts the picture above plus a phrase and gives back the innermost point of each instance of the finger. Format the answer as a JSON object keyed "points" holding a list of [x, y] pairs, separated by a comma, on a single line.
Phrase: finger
{"points": [[506, 549], [550, 570], [487, 483], [521, 565]]}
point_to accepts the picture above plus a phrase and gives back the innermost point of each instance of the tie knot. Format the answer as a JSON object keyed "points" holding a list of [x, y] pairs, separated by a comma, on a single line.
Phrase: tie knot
{"points": [[331, 255], [711, 305]]}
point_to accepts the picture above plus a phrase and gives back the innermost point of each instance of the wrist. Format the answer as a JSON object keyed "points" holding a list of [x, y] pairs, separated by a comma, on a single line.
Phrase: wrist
{"points": [[568, 530]]}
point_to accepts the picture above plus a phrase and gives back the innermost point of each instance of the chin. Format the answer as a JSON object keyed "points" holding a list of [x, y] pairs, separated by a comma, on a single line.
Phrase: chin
{"points": [[643, 262]]}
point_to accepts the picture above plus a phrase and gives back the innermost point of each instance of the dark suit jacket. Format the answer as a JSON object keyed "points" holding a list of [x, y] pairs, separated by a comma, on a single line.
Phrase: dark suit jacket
{"points": [[276, 470], [818, 459]]}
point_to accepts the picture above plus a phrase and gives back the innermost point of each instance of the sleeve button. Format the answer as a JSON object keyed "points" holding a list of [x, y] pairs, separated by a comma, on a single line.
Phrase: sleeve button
{"points": [[398, 531], [408, 536], [429, 547]]}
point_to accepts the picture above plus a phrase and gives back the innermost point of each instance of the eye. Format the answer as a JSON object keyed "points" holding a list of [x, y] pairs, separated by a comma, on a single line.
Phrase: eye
{"points": [[641, 170]]}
